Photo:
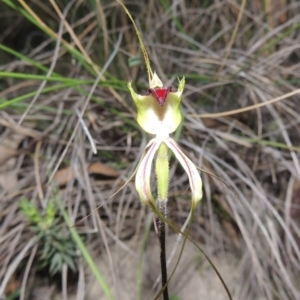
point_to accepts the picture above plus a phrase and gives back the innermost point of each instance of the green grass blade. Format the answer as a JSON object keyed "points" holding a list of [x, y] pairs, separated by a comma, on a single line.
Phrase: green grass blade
{"points": [[84, 251], [7, 103]]}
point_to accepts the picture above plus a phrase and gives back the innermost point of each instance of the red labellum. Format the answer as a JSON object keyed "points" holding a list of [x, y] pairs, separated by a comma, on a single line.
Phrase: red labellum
{"points": [[160, 94]]}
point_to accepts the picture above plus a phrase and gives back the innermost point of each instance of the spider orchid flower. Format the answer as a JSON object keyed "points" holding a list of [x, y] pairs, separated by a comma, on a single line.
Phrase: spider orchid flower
{"points": [[158, 113]]}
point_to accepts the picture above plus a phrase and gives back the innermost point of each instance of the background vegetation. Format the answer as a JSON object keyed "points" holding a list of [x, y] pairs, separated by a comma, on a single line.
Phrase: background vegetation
{"points": [[234, 54]]}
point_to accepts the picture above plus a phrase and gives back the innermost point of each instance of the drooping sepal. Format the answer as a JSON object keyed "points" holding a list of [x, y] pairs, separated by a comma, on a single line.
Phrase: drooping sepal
{"points": [[191, 170], [143, 175]]}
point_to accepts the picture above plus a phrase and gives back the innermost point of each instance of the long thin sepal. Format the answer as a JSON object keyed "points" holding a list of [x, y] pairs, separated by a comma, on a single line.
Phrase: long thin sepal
{"points": [[191, 170], [142, 178], [145, 53]]}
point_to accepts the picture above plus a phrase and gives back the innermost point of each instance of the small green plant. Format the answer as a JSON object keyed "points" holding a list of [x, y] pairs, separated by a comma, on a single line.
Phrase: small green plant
{"points": [[56, 244]]}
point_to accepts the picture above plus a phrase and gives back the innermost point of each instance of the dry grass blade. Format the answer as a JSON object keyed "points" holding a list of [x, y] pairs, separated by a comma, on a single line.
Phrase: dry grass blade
{"points": [[232, 38], [241, 123], [86, 105], [251, 107]]}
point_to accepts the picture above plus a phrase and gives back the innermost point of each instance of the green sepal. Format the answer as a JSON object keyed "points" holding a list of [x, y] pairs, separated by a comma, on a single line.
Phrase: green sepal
{"points": [[156, 119]]}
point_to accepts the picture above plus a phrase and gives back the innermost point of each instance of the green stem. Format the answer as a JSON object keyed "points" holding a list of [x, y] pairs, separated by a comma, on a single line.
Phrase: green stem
{"points": [[162, 174]]}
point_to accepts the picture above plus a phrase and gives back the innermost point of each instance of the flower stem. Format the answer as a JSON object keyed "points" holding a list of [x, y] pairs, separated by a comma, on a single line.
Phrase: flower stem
{"points": [[162, 174], [162, 240]]}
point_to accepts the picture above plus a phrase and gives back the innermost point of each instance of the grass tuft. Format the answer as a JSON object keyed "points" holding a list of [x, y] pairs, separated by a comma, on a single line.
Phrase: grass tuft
{"points": [[241, 123]]}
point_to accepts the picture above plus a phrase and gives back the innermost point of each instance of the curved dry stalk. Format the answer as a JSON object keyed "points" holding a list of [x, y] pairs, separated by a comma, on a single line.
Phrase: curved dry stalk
{"points": [[248, 108]]}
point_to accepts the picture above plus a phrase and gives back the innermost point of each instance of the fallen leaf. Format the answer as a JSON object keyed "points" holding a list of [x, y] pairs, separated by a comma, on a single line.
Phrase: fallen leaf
{"points": [[99, 168], [63, 176]]}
